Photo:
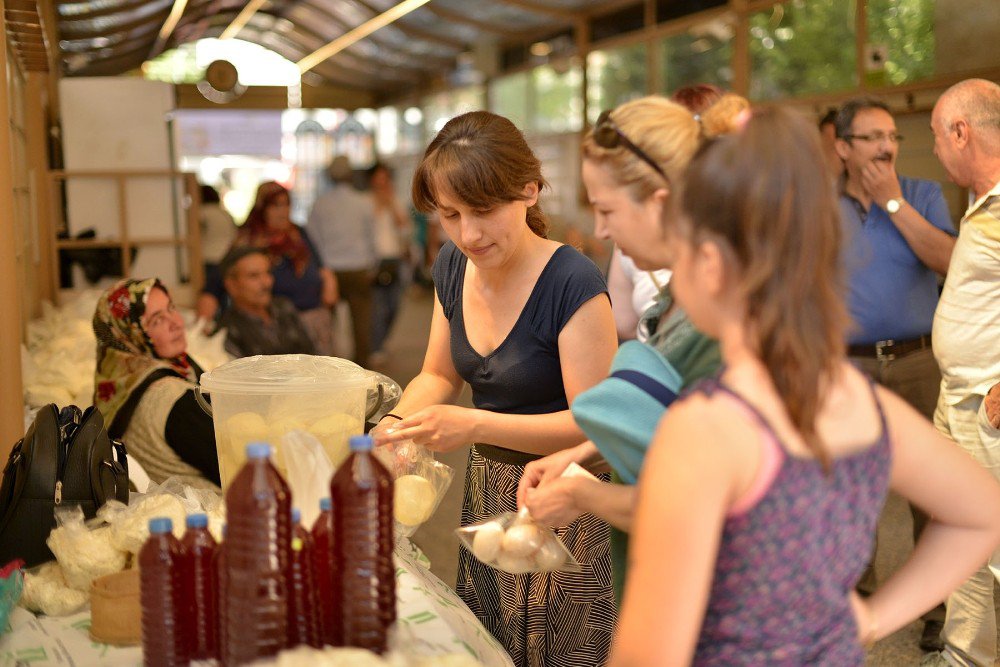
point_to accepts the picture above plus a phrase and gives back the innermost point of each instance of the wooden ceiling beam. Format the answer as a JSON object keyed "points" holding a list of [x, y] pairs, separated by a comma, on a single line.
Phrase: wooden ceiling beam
{"points": [[455, 17]]}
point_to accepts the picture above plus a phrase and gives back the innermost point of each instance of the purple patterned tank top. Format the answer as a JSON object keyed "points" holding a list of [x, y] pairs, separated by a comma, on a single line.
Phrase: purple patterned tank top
{"points": [[787, 564]]}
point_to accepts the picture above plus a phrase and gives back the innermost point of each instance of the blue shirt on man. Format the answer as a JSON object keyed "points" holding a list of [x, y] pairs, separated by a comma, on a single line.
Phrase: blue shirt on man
{"points": [[891, 293]]}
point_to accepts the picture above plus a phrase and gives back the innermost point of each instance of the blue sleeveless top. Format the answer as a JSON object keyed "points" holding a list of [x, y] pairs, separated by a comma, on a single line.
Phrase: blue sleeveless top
{"points": [[523, 375]]}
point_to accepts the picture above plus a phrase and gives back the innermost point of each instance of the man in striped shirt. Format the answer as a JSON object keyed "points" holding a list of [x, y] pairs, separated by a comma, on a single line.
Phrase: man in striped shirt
{"points": [[966, 336]]}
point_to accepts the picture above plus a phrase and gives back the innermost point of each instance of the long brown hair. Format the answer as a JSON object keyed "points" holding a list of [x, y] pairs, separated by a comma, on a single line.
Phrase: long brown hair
{"points": [[484, 160], [764, 193]]}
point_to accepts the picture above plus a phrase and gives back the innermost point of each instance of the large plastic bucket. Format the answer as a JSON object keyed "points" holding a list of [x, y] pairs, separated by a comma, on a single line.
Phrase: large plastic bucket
{"points": [[262, 398]]}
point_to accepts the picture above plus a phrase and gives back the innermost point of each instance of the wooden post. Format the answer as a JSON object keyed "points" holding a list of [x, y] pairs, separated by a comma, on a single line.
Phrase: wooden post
{"points": [[741, 48], [196, 263], [11, 390], [37, 131]]}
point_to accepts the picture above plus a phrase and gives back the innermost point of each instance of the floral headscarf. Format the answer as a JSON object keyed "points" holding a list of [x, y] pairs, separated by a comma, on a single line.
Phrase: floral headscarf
{"points": [[125, 355], [280, 244]]}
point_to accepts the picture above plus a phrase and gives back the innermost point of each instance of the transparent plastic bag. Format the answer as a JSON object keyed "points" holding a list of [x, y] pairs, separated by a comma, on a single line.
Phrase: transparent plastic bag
{"points": [[309, 472], [517, 544], [421, 482], [45, 592], [84, 552], [129, 525]]}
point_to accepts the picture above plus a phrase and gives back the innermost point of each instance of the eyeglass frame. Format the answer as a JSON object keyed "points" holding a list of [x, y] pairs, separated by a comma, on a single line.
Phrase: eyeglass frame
{"points": [[891, 138], [605, 122]]}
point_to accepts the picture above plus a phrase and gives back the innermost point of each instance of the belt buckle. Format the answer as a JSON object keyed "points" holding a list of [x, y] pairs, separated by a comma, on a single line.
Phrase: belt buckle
{"points": [[880, 347]]}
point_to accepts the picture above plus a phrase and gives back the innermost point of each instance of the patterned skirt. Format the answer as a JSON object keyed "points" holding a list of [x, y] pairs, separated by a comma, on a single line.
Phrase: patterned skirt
{"points": [[558, 619]]}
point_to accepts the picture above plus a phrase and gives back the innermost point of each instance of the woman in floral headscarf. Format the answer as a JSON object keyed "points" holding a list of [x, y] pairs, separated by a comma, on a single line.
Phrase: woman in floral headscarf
{"points": [[144, 384]]}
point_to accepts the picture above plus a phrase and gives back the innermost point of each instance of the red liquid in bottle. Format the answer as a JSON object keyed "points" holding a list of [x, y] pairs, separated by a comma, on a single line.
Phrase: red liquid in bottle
{"points": [[220, 617], [202, 587], [361, 491], [327, 585], [165, 627], [258, 540], [302, 627]]}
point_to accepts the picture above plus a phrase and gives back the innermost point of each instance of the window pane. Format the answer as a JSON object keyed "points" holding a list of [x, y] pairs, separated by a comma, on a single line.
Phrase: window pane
{"points": [[440, 108], [802, 48], [509, 97], [558, 99], [615, 76], [702, 54], [900, 41]]}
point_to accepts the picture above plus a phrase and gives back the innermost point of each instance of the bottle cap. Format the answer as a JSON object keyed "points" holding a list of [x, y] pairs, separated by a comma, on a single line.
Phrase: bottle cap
{"points": [[258, 450], [197, 520], [160, 525], [361, 443], [325, 504], [296, 515]]}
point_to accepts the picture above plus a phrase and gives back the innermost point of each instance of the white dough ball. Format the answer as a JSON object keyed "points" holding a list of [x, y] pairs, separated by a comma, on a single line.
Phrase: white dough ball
{"points": [[245, 427], [551, 556], [522, 539], [508, 562], [487, 541], [413, 499]]}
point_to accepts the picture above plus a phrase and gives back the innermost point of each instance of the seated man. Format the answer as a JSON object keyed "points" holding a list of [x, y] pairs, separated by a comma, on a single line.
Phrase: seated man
{"points": [[258, 322]]}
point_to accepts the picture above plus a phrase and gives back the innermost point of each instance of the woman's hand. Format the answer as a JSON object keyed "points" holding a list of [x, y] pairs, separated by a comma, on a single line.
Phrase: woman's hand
{"points": [[439, 428], [548, 468], [556, 502], [378, 431], [864, 618]]}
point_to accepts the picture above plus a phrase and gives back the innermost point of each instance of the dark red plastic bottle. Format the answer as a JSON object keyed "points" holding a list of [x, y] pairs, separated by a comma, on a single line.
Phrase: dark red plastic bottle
{"points": [[220, 616], [258, 541], [301, 594], [361, 491], [165, 627], [202, 588], [327, 585]]}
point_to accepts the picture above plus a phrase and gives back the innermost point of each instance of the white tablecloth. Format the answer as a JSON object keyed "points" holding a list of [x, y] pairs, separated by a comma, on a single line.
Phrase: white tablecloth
{"points": [[432, 620]]}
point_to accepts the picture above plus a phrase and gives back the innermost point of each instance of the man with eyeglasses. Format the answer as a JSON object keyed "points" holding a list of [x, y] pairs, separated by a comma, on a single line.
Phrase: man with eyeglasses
{"points": [[898, 241]]}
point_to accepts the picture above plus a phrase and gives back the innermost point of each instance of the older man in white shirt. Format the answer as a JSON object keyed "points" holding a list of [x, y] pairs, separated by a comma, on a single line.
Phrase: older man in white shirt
{"points": [[966, 336]]}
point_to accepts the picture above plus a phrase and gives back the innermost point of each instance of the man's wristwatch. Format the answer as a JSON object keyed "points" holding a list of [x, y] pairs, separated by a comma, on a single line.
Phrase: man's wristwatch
{"points": [[893, 205]]}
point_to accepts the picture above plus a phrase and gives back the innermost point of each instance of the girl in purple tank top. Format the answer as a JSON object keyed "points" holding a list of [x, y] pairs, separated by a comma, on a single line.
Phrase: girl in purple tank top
{"points": [[760, 493]]}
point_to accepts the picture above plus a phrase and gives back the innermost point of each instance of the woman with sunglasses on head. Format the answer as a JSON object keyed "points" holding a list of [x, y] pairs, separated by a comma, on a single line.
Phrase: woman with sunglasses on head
{"points": [[760, 492], [527, 323], [633, 165]]}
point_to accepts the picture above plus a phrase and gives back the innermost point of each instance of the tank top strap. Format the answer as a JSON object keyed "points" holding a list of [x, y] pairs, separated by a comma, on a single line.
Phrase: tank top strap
{"points": [[883, 420]]}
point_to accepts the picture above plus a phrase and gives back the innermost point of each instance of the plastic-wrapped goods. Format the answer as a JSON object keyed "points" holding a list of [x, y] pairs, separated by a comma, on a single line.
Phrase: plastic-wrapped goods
{"points": [[362, 505], [165, 621], [516, 544], [45, 592], [202, 584], [130, 524], [302, 627], [327, 585], [84, 554], [421, 483], [257, 550]]}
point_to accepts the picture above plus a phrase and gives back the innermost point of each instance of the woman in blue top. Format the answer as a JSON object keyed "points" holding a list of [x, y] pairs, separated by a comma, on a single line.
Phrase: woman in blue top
{"points": [[527, 323]]}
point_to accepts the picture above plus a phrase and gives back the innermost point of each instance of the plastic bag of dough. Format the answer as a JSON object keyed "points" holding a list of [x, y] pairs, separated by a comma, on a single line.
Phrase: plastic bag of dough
{"points": [[84, 553], [517, 544], [45, 592], [421, 482], [309, 471]]}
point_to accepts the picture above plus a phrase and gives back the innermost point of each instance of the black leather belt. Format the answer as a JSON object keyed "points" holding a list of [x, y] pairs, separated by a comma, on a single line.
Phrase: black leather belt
{"points": [[887, 350]]}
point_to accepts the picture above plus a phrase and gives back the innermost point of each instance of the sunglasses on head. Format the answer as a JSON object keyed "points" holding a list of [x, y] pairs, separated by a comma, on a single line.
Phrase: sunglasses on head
{"points": [[608, 135]]}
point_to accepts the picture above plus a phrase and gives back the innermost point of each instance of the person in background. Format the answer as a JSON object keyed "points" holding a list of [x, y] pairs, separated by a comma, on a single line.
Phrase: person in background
{"points": [[342, 223], [144, 384], [633, 168], [257, 322], [966, 127], [217, 231], [759, 495], [391, 228], [527, 323], [298, 273], [828, 137], [899, 240]]}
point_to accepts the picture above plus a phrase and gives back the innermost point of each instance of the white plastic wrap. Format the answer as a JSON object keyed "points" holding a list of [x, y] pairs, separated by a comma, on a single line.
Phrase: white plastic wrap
{"points": [[309, 472], [46, 592], [83, 553]]}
